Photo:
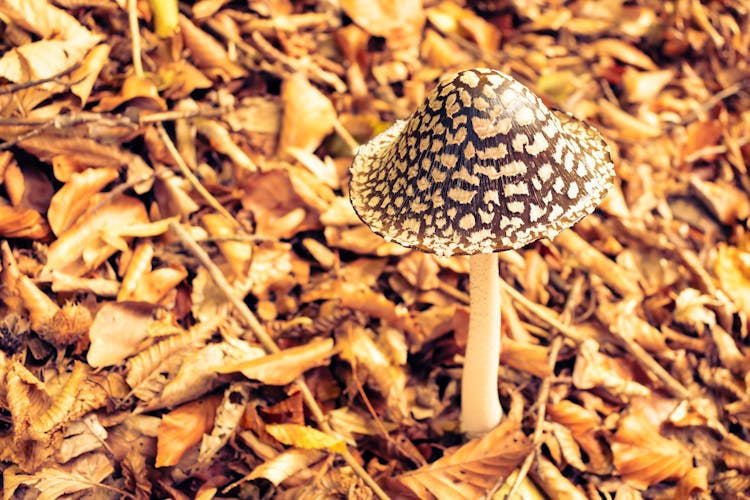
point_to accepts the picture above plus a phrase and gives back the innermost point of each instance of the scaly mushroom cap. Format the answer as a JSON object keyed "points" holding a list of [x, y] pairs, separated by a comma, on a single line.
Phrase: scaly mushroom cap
{"points": [[481, 166]]}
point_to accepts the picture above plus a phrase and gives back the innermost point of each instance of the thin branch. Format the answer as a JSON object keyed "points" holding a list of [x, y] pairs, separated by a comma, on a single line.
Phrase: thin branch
{"points": [[135, 36], [15, 87], [192, 179]]}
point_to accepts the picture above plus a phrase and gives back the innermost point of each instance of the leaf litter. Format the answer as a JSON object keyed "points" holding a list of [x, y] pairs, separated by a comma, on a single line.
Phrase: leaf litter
{"points": [[191, 308]]}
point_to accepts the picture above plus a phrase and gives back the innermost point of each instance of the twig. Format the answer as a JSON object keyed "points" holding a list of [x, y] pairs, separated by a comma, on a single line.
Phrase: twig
{"points": [[192, 179], [315, 71], [542, 313], [574, 298], [135, 35], [15, 87], [269, 345]]}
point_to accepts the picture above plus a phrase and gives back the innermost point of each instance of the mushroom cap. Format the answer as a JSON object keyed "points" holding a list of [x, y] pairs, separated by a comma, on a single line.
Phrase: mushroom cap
{"points": [[481, 166]]}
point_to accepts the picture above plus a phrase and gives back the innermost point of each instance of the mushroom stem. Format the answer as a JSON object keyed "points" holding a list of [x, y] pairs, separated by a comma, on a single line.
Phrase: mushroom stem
{"points": [[480, 406]]}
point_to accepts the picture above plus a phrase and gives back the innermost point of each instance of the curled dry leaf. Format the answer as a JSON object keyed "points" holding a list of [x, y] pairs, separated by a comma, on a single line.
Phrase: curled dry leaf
{"points": [[64, 43], [553, 482], [228, 416], [725, 201], [644, 86], [377, 305], [528, 358], [628, 127], [199, 372], [271, 268], [586, 427], [449, 18], [222, 142], [441, 52], [183, 428], [81, 249], [86, 74], [22, 223], [150, 367], [136, 91], [286, 464], [644, 457], [283, 367], [420, 270], [72, 200], [272, 198], [27, 187], [207, 53]]}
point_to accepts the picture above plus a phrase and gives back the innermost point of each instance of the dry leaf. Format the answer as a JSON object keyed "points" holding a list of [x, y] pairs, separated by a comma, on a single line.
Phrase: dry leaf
{"points": [[228, 416], [81, 475], [207, 53], [304, 437], [469, 471], [308, 115], [81, 249], [398, 22], [644, 457], [732, 267], [286, 464], [72, 200], [183, 428], [283, 367], [118, 329]]}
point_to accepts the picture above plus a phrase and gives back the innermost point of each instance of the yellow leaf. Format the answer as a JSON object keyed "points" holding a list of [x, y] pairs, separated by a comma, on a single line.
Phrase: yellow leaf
{"points": [[301, 436]]}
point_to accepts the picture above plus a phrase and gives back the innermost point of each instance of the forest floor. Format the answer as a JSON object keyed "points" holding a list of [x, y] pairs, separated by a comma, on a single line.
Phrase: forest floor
{"points": [[191, 308]]}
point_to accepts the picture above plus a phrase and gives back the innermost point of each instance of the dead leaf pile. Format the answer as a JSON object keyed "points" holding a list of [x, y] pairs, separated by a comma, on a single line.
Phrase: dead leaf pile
{"points": [[192, 309]]}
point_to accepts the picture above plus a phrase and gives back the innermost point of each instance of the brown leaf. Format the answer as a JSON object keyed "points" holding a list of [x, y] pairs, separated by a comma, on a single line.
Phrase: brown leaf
{"points": [[377, 305], [208, 53], [81, 248], [469, 471], [644, 457], [400, 23], [308, 115], [62, 480], [183, 428], [283, 367], [22, 223], [732, 267], [72, 200], [118, 329]]}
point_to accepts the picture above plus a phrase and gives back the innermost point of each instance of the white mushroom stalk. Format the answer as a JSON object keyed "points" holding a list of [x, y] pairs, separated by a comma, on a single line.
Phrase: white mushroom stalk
{"points": [[480, 406], [481, 166]]}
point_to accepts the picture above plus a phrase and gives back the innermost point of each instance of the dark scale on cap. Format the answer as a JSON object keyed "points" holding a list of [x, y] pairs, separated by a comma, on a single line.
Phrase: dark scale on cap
{"points": [[481, 166]]}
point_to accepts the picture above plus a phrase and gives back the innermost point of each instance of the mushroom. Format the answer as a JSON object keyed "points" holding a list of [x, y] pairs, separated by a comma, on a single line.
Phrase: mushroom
{"points": [[480, 167]]}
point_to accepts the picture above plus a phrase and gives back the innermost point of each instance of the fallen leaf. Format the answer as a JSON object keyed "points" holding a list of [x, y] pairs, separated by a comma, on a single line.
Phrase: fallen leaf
{"points": [[472, 469], [301, 436], [283, 367], [644, 457], [183, 428]]}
